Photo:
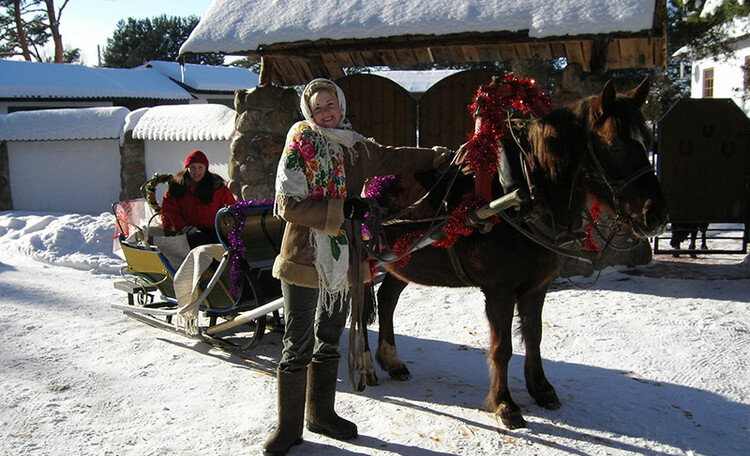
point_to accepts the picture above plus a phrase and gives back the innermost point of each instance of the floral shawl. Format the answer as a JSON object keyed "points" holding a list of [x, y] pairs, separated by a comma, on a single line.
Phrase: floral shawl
{"points": [[312, 166]]}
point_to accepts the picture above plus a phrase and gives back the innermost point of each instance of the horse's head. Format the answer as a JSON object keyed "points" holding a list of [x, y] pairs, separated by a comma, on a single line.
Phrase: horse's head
{"points": [[617, 170]]}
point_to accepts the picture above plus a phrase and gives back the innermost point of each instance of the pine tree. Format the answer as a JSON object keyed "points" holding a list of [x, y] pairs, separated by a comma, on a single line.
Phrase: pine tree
{"points": [[137, 41]]}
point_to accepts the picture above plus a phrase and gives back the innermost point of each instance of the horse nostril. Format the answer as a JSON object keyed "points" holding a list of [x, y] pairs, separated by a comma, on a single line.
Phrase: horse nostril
{"points": [[654, 219]]}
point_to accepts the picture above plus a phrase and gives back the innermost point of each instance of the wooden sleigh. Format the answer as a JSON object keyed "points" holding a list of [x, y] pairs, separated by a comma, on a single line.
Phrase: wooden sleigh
{"points": [[231, 314]]}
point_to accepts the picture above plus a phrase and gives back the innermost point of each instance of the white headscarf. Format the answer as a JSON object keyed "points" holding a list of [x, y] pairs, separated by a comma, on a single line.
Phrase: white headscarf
{"points": [[340, 136]]}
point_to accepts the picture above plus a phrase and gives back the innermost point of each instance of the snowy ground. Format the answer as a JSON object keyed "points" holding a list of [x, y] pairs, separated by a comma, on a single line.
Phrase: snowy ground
{"points": [[646, 362]]}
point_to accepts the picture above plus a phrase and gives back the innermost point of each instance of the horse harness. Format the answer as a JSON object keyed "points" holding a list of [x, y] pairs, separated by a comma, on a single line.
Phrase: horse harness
{"points": [[533, 218]]}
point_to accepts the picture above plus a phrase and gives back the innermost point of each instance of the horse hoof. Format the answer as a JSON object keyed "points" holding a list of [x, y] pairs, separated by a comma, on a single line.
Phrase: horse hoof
{"points": [[547, 399], [371, 379], [401, 374], [511, 419]]}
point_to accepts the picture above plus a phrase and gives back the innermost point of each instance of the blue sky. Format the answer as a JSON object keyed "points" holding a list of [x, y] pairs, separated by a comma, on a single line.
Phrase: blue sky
{"points": [[87, 23]]}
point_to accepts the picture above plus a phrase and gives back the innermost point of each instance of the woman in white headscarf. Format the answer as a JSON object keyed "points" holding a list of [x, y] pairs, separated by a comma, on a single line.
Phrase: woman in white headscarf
{"points": [[321, 174]]}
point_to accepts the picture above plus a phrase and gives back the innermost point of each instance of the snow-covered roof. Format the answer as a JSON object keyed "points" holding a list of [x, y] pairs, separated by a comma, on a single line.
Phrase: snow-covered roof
{"points": [[206, 78], [20, 79], [196, 122], [415, 81], [63, 124], [235, 26]]}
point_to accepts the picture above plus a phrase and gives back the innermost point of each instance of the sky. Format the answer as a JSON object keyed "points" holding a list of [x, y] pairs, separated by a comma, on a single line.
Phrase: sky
{"points": [[86, 24]]}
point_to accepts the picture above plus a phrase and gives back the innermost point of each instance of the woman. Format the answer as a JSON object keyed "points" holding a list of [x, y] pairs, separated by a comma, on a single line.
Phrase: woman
{"points": [[321, 172], [194, 196]]}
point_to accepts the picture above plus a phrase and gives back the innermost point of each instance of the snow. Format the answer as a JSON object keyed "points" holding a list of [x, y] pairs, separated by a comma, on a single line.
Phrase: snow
{"points": [[233, 26], [20, 79], [415, 81], [206, 77], [63, 124], [645, 362], [196, 122]]}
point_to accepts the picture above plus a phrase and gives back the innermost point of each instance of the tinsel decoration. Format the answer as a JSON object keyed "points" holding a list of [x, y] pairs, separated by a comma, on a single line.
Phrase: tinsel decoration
{"points": [[456, 225], [489, 108], [377, 185], [589, 243], [402, 245], [235, 239]]}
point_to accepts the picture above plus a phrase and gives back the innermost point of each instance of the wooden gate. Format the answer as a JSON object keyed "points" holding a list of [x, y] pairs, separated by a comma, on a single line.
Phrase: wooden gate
{"points": [[703, 154], [381, 109], [443, 115]]}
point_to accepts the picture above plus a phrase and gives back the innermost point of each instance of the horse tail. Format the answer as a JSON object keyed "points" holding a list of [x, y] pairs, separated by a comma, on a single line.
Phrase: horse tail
{"points": [[369, 311]]}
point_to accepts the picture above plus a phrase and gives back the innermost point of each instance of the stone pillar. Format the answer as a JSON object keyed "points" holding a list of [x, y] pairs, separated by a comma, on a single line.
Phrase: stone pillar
{"points": [[264, 115], [6, 203], [132, 167]]}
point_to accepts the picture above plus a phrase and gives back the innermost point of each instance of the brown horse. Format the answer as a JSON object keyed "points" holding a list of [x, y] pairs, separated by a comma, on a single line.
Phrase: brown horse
{"points": [[597, 147]]}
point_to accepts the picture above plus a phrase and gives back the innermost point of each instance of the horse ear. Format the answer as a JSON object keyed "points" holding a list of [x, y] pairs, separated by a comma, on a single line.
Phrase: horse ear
{"points": [[604, 102], [640, 93]]}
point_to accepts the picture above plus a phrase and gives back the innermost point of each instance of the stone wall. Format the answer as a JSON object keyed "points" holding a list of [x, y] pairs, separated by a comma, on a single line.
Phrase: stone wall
{"points": [[264, 115], [132, 167], [6, 203]]}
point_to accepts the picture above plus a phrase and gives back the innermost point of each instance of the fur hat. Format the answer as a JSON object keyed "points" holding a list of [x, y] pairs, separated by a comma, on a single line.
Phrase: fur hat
{"points": [[196, 156]]}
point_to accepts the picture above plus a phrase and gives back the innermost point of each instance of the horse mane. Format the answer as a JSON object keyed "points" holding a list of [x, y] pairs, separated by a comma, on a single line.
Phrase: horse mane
{"points": [[558, 140]]}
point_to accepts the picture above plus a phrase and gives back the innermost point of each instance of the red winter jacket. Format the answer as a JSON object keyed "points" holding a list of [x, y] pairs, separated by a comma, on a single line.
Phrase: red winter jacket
{"points": [[187, 210]]}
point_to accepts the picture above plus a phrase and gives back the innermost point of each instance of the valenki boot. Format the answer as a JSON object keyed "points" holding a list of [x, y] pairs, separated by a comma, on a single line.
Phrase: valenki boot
{"points": [[321, 397], [291, 410]]}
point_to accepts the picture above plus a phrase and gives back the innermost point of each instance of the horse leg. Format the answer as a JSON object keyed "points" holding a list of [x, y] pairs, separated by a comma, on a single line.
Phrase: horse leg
{"points": [[387, 356], [530, 313], [693, 238], [703, 229], [370, 375], [499, 310]]}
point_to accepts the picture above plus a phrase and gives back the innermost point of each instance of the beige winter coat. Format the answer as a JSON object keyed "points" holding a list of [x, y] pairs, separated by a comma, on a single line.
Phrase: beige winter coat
{"points": [[294, 264]]}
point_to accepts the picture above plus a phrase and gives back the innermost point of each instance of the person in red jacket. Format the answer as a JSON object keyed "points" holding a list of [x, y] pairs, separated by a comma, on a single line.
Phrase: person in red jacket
{"points": [[194, 196]]}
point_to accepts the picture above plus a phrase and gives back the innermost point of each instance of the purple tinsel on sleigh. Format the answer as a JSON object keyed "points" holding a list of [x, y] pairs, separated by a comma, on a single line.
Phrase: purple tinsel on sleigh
{"points": [[235, 238]]}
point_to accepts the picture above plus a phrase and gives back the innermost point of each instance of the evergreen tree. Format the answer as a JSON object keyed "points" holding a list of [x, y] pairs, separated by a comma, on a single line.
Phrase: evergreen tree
{"points": [[136, 41]]}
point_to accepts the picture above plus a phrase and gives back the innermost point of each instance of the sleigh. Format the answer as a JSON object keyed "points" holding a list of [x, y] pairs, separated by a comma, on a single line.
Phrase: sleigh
{"points": [[231, 303]]}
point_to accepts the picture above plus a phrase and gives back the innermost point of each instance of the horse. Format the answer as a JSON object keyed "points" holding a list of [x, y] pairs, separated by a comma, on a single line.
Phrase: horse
{"points": [[594, 148], [682, 230]]}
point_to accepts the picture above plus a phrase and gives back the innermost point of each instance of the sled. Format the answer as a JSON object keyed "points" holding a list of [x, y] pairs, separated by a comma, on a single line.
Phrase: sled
{"points": [[232, 316]]}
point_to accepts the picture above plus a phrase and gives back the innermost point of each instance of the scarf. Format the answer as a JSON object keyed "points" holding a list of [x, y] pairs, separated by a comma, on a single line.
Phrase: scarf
{"points": [[312, 166]]}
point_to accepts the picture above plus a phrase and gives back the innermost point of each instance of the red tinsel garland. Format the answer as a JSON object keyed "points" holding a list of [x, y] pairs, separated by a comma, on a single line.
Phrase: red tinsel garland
{"points": [[589, 243], [402, 245], [456, 226], [489, 109]]}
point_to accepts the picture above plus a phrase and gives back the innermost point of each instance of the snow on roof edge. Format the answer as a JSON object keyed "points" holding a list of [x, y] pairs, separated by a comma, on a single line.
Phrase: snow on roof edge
{"points": [[195, 122], [64, 124]]}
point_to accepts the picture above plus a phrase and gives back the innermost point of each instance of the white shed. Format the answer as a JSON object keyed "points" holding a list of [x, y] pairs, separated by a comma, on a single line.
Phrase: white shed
{"points": [[169, 133], [64, 160]]}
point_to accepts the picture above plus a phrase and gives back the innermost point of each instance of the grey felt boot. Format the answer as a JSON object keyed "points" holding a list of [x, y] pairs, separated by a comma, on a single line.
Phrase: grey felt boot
{"points": [[291, 409], [321, 397]]}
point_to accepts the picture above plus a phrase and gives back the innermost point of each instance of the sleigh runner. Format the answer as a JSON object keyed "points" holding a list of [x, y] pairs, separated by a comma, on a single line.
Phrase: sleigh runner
{"points": [[222, 294]]}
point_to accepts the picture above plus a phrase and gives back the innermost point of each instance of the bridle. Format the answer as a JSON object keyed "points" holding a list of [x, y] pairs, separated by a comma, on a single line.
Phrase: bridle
{"points": [[616, 186]]}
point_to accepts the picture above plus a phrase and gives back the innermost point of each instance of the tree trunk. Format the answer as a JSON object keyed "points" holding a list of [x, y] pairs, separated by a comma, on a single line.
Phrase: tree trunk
{"points": [[21, 32], [55, 29]]}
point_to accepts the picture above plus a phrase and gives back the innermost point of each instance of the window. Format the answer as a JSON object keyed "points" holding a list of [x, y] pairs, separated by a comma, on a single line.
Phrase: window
{"points": [[708, 83]]}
